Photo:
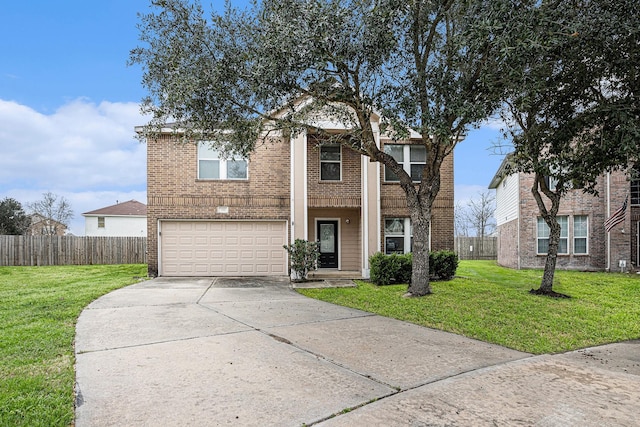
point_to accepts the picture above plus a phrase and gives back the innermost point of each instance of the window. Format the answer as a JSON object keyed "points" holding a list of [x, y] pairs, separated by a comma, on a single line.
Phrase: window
{"points": [[552, 182], [211, 166], [398, 235], [635, 186], [543, 235], [412, 158], [580, 234], [100, 222], [330, 162]]}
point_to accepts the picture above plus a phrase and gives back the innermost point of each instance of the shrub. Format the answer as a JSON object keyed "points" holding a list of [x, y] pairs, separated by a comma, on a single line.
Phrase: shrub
{"points": [[382, 268], [444, 264], [303, 257], [403, 273], [389, 269]]}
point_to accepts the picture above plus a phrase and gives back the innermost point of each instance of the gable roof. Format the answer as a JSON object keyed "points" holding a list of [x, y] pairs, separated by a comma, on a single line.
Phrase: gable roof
{"points": [[501, 173], [37, 218], [130, 208]]}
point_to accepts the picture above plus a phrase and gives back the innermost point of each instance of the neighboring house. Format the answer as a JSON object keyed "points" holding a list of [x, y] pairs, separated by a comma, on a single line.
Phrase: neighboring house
{"points": [[41, 226], [209, 216], [584, 242], [127, 219]]}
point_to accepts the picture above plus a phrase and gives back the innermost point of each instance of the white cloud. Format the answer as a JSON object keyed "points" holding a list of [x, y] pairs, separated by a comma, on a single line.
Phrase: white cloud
{"points": [[81, 146], [84, 151], [464, 193]]}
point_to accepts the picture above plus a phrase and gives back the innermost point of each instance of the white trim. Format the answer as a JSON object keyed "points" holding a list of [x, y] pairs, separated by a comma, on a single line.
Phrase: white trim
{"points": [[306, 187], [364, 213], [292, 188], [159, 243], [339, 242], [378, 203], [567, 237], [223, 171], [573, 236], [320, 161], [407, 235], [406, 160]]}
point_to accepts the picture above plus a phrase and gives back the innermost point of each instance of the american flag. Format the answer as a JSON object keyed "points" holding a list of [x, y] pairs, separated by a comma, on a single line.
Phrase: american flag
{"points": [[617, 217]]}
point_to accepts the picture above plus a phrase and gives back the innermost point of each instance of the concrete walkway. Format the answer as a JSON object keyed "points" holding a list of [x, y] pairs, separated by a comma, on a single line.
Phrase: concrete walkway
{"points": [[252, 352]]}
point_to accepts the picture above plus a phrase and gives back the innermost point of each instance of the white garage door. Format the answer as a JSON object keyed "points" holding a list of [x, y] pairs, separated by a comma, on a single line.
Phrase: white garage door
{"points": [[222, 248]]}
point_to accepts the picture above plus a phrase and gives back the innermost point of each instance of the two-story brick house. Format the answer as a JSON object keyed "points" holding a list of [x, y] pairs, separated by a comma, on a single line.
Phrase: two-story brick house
{"points": [[584, 242], [210, 216]]}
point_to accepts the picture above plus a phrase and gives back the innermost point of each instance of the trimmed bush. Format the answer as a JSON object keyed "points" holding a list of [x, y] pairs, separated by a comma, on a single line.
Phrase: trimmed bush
{"points": [[403, 274], [445, 264], [394, 268], [383, 268]]}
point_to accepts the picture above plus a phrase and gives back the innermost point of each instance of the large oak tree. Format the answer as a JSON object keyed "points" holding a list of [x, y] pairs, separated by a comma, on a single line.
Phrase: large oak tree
{"points": [[573, 103], [431, 67]]}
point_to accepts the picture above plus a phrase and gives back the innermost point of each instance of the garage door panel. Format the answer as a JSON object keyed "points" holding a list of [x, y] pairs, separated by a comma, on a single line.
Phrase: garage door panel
{"points": [[222, 248]]}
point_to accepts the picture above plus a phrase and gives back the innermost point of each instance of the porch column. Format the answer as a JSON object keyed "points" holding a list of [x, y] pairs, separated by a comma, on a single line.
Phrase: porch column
{"points": [[370, 208], [298, 201]]}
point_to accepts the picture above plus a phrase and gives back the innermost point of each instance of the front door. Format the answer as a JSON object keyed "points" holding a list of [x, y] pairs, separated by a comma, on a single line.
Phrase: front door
{"points": [[327, 232]]}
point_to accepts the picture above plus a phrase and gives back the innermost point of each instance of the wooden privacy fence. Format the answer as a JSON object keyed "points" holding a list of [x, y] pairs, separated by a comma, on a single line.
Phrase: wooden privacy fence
{"points": [[71, 250], [476, 247]]}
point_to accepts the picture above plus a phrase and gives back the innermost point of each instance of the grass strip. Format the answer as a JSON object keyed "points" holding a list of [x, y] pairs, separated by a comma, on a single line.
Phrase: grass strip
{"points": [[39, 307], [493, 304]]}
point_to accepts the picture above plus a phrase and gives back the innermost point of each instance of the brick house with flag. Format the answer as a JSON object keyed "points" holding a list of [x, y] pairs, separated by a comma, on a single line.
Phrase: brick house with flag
{"points": [[597, 232], [208, 215]]}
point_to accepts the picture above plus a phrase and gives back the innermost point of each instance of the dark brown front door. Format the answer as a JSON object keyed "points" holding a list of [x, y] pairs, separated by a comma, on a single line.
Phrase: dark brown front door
{"points": [[327, 232]]}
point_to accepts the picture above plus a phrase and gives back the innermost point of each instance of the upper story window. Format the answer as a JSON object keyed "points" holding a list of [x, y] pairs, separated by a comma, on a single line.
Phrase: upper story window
{"points": [[552, 182], [212, 166], [635, 186], [412, 158], [330, 163]]}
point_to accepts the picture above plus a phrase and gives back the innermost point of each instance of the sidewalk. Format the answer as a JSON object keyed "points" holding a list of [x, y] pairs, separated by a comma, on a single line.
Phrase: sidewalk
{"points": [[214, 351]]}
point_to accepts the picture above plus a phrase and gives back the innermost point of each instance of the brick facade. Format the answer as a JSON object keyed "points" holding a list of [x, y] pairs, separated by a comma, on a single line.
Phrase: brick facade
{"points": [[174, 192], [517, 239], [394, 204]]}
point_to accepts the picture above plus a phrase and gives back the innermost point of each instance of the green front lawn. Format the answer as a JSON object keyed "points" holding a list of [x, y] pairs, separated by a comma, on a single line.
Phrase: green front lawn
{"points": [[39, 307], [493, 304]]}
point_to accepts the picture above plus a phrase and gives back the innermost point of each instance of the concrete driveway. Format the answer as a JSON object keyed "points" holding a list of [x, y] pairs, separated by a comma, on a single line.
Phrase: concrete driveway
{"points": [[253, 352]]}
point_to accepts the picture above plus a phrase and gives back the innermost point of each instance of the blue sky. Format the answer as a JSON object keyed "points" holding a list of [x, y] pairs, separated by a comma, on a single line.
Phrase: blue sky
{"points": [[69, 103]]}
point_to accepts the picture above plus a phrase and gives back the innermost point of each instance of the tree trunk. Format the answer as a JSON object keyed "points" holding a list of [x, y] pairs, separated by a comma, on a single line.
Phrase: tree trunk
{"points": [[550, 217], [420, 269], [546, 287]]}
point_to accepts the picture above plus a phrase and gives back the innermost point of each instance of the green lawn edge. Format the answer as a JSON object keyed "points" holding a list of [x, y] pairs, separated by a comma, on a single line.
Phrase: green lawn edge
{"points": [[39, 308], [493, 304]]}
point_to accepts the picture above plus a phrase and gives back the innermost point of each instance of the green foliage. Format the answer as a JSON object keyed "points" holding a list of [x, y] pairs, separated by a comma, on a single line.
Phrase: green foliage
{"points": [[13, 219], [431, 68], [498, 308], [303, 257], [396, 268], [388, 269], [443, 264], [39, 307]]}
